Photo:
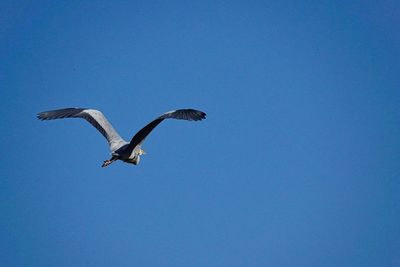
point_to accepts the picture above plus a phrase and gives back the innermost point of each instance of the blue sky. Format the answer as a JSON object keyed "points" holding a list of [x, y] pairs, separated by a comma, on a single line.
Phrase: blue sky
{"points": [[297, 163]]}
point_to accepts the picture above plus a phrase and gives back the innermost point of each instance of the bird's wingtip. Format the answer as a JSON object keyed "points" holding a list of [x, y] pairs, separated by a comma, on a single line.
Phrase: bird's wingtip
{"points": [[39, 116], [198, 115], [203, 115]]}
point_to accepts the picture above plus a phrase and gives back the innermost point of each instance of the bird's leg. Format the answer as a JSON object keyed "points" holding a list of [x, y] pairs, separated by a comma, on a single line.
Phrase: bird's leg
{"points": [[109, 161], [106, 163]]}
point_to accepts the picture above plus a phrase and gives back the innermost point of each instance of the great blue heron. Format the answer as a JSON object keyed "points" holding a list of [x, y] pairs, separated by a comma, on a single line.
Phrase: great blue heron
{"points": [[128, 152]]}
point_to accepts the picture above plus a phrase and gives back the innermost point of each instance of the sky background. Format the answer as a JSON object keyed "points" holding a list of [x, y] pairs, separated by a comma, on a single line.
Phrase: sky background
{"points": [[297, 163]]}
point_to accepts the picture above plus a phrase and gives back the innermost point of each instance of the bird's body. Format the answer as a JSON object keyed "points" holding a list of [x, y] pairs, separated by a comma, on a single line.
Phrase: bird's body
{"points": [[128, 152]]}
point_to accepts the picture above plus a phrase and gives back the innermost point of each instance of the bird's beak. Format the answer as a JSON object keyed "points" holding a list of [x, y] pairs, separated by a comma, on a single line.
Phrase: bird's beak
{"points": [[142, 152]]}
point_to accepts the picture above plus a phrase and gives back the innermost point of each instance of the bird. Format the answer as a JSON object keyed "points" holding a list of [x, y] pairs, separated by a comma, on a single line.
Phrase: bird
{"points": [[128, 152]]}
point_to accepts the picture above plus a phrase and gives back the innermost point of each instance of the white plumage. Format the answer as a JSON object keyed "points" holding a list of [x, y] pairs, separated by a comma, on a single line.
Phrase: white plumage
{"points": [[129, 152]]}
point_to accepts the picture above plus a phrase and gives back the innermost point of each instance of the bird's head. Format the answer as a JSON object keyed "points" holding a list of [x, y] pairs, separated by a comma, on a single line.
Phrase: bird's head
{"points": [[135, 160]]}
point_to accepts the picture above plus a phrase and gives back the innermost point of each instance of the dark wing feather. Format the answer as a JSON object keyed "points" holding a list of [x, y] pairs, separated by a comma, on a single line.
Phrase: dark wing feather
{"points": [[180, 114], [59, 113], [184, 114]]}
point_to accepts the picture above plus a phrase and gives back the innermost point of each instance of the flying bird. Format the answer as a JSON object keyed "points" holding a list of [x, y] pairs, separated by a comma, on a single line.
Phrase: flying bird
{"points": [[128, 152]]}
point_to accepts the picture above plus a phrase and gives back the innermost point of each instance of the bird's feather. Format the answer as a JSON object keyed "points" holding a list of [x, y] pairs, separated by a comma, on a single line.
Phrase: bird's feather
{"points": [[180, 114], [94, 117]]}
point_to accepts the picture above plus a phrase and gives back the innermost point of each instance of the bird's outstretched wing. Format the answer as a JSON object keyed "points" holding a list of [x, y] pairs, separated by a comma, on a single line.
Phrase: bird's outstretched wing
{"points": [[94, 117], [180, 114]]}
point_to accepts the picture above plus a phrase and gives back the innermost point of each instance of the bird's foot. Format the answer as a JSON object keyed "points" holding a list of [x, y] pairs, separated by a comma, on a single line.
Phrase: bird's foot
{"points": [[106, 163], [109, 161]]}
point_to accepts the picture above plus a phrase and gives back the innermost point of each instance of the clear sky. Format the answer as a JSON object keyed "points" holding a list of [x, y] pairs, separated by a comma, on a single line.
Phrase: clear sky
{"points": [[297, 163]]}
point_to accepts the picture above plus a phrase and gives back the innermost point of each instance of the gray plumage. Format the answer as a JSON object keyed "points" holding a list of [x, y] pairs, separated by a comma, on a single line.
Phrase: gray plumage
{"points": [[120, 149]]}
